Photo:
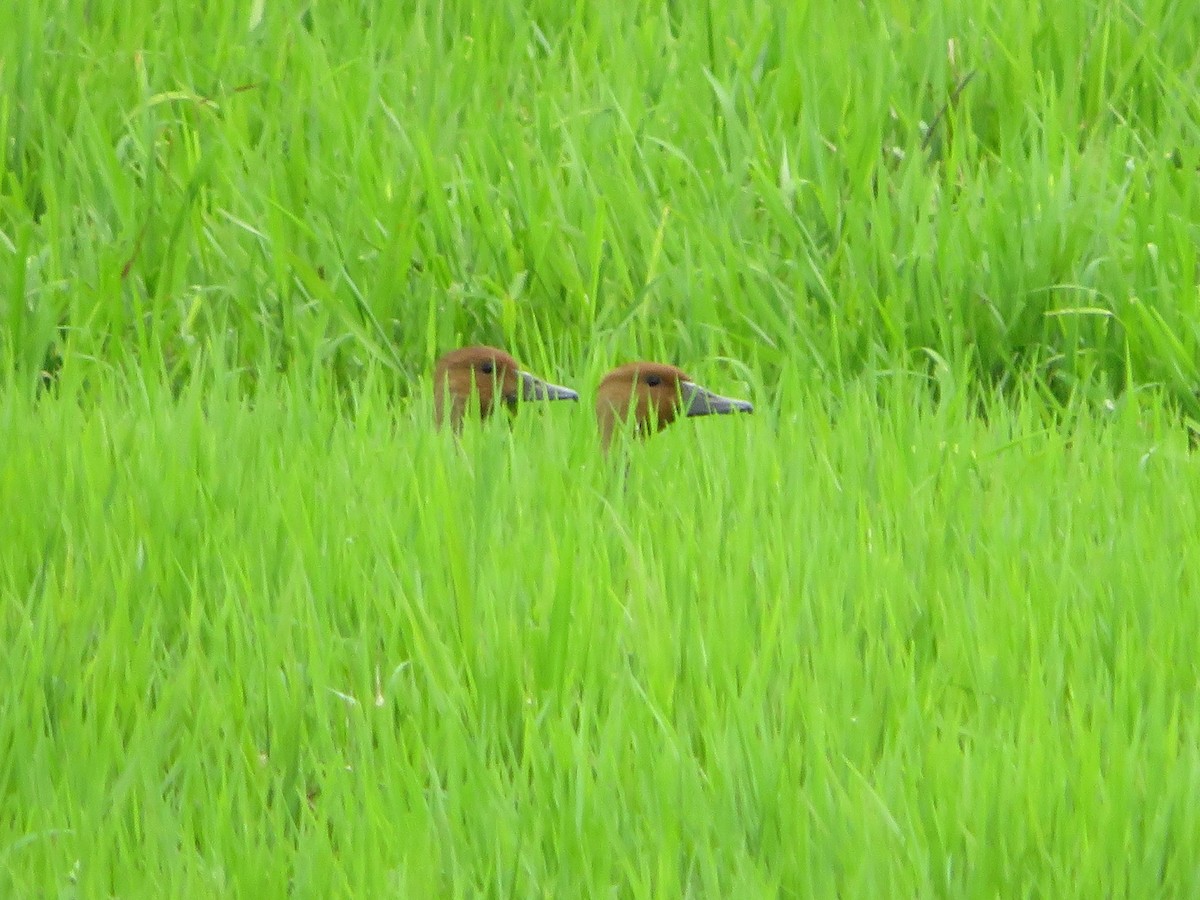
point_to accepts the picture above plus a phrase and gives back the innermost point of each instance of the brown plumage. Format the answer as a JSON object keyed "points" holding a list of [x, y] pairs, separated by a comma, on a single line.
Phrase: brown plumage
{"points": [[479, 379], [655, 395]]}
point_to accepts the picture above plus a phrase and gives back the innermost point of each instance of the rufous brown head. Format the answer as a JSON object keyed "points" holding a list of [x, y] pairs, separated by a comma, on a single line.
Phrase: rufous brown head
{"points": [[654, 395], [479, 379]]}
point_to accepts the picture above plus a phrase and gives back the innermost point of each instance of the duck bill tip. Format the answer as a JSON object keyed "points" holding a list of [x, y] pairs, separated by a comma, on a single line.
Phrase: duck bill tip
{"points": [[533, 388], [698, 401]]}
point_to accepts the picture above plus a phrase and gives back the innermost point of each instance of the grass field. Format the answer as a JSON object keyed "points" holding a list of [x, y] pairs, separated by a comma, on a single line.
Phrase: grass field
{"points": [[923, 625]]}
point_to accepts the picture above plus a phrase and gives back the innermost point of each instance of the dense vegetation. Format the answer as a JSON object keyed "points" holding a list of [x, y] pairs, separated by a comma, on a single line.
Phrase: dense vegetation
{"points": [[920, 626]]}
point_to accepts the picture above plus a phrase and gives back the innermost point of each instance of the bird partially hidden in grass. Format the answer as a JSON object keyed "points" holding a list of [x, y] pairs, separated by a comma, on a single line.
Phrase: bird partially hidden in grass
{"points": [[654, 395], [477, 380]]}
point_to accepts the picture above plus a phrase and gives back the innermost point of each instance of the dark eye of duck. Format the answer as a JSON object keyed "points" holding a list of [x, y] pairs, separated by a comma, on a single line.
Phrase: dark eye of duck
{"points": [[487, 368], [654, 380]]}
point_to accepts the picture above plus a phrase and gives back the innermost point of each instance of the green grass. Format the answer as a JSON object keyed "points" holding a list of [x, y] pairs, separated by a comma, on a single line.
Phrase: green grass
{"points": [[724, 178], [921, 626], [255, 645]]}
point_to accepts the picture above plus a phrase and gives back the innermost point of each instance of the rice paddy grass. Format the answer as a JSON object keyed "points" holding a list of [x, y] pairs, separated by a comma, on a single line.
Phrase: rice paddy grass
{"points": [[259, 646], [922, 625]]}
